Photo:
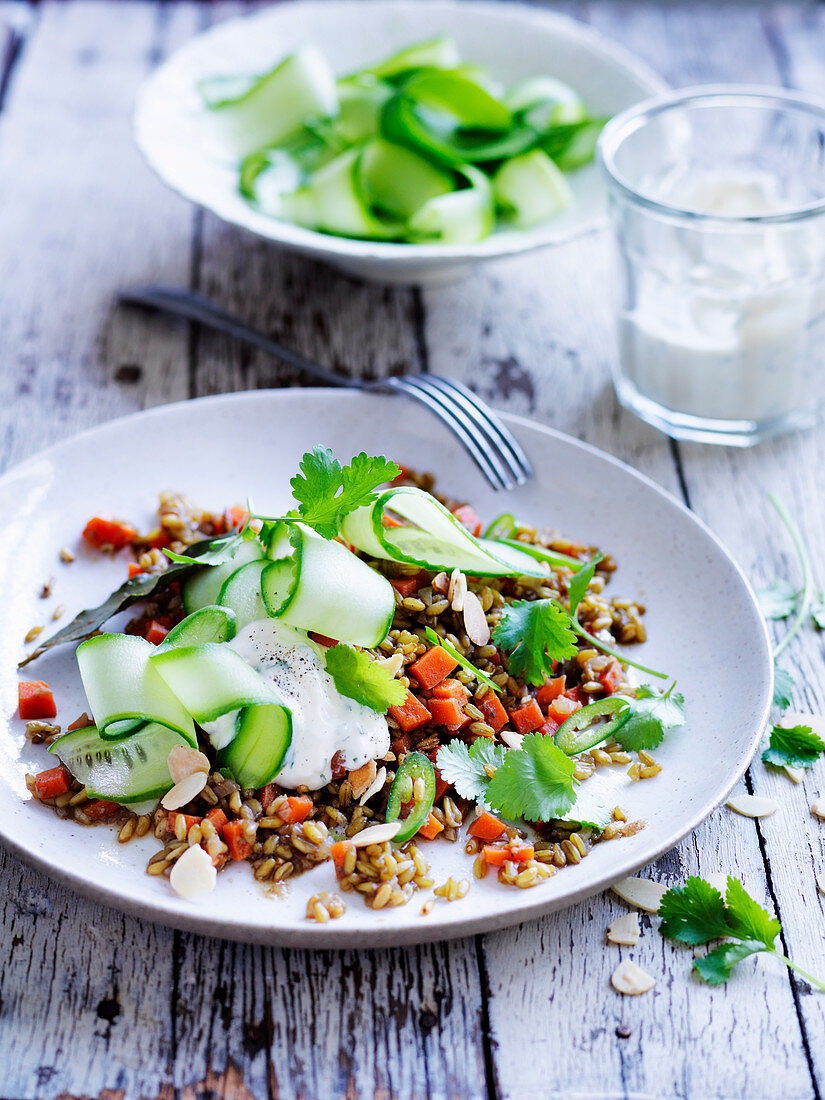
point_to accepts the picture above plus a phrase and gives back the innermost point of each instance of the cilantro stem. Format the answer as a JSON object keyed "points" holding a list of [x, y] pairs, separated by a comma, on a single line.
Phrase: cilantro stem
{"points": [[814, 981], [582, 633], [804, 606]]}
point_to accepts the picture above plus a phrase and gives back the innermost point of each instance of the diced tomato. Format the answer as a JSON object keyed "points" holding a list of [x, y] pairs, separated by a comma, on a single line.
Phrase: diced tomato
{"points": [[323, 640], [296, 808], [449, 713], [494, 713], [35, 700], [496, 855], [217, 817], [401, 745], [156, 632], [339, 768], [487, 827], [452, 689], [527, 718], [431, 828], [468, 518], [433, 666], [550, 691], [134, 569], [99, 808], [410, 714], [234, 837], [338, 851], [236, 516], [561, 709], [103, 533], [53, 782], [272, 790], [612, 676], [188, 819], [406, 586]]}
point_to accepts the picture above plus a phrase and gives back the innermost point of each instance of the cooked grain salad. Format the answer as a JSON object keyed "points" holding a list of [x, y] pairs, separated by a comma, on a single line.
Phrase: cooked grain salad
{"points": [[347, 683]]}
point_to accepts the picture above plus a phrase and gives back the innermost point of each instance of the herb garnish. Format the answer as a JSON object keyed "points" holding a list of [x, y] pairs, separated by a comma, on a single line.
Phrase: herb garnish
{"points": [[696, 913], [359, 677], [651, 715], [793, 747], [326, 491], [538, 633], [467, 768]]}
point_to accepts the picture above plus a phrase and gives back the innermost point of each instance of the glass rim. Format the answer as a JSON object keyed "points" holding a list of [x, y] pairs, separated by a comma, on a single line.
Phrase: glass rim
{"points": [[632, 119]]}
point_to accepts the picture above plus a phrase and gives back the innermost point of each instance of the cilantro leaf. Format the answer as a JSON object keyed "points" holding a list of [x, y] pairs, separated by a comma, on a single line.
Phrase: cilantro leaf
{"points": [[716, 967], [818, 611], [778, 600], [219, 552], [797, 747], [534, 782], [537, 633], [746, 917], [693, 913], [580, 581], [465, 768], [359, 677], [783, 685], [460, 659], [651, 715], [326, 491]]}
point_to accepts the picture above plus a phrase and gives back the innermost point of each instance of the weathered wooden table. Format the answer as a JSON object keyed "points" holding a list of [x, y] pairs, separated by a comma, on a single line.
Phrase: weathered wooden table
{"points": [[95, 1004]]}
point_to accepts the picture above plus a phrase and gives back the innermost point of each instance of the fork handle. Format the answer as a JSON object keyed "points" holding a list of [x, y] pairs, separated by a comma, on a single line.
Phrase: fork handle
{"points": [[195, 307]]}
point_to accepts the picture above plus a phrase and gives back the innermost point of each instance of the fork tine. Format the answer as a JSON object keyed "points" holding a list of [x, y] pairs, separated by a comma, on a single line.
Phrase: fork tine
{"points": [[499, 436], [445, 411]]}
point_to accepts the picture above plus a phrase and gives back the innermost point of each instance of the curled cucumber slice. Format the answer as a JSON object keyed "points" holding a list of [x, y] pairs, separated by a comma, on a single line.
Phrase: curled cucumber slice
{"points": [[583, 729], [203, 588], [209, 624], [262, 736]]}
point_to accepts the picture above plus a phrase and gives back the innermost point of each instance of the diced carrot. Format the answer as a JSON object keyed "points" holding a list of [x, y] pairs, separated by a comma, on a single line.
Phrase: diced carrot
{"points": [[441, 785], [156, 632], [451, 689], [468, 517], [103, 532], [405, 586], [388, 521], [521, 852], [487, 827], [431, 828], [53, 782], [81, 723], [218, 819], [99, 808], [433, 666], [449, 713], [234, 837], [561, 709], [236, 516], [270, 792], [410, 714], [548, 728], [323, 640], [496, 855], [494, 713], [551, 690], [161, 540], [612, 676], [188, 819], [527, 718], [401, 745], [575, 693], [338, 851], [296, 808], [134, 569], [35, 700]]}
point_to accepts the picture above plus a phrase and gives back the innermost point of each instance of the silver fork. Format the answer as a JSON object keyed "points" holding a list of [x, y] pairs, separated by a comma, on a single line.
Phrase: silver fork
{"points": [[487, 441]]}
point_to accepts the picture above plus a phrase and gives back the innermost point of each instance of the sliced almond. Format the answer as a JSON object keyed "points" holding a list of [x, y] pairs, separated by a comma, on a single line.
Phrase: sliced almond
{"points": [[752, 805], [475, 621], [820, 883], [393, 664], [644, 893], [183, 761], [511, 739], [193, 873], [374, 787], [630, 979], [441, 583], [796, 775], [457, 590], [361, 778], [376, 834], [818, 808], [184, 792], [625, 930], [816, 722]]}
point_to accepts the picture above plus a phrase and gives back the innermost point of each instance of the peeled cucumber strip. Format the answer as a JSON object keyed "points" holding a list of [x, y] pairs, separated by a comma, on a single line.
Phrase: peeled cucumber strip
{"points": [[203, 588], [129, 770], [437, 541], [553, 557], [330, 201], [241, 594], [434, 53], [398, 181], [544, 101], [255, 754], [457, 95], [211, 679], [461, 217], [530, 189], [267, 176], [572, 146], [302, 86], [361, 98], [208, 624], [327, 589], [122, 685]]}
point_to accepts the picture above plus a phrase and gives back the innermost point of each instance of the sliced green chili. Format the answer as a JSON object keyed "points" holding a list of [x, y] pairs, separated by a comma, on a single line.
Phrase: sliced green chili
{"points": [[415, 766], [581, 731]]}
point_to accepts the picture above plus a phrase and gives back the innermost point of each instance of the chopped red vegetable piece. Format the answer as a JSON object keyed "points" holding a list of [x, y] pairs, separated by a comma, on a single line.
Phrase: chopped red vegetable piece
{"points": [[188, 819], [296, 808], [53, 782], [431, 827], [218, 819], [338, 851], [104, 533], [468, 517], [410, 714], [487, 827], [433, 666], [156, 632], [406, 586], [550, 691], [449, 713], [235, 838], [527, 718], [494, 713], [35, 700], [134, 569], [612, 676], [561, 709], [99, 808]]}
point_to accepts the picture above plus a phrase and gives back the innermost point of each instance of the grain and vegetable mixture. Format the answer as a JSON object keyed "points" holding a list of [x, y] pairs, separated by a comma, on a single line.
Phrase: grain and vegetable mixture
{"points": [[344, 684]]}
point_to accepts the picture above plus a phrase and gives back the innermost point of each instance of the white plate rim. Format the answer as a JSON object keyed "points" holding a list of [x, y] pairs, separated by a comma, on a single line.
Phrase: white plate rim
{"points": [[439, 927]]}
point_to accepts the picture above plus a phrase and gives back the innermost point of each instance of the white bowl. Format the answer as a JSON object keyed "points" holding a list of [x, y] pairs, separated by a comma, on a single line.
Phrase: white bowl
{"points": [[511, 40]]}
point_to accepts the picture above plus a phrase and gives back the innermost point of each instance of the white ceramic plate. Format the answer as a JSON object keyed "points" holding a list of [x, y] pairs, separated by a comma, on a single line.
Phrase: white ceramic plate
{"points": [[703, 624], [513, 41]]}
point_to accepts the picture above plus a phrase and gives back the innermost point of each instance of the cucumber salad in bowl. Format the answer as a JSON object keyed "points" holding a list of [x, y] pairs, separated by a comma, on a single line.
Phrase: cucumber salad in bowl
{"points": [[333, 688]]}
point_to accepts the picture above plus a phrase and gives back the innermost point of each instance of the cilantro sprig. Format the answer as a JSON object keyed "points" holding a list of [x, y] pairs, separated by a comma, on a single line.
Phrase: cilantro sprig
{"points": [[467, 769], [359, 677], [326, 491], [537, 633], [696, 913], [794, 747], [652, 714]]}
